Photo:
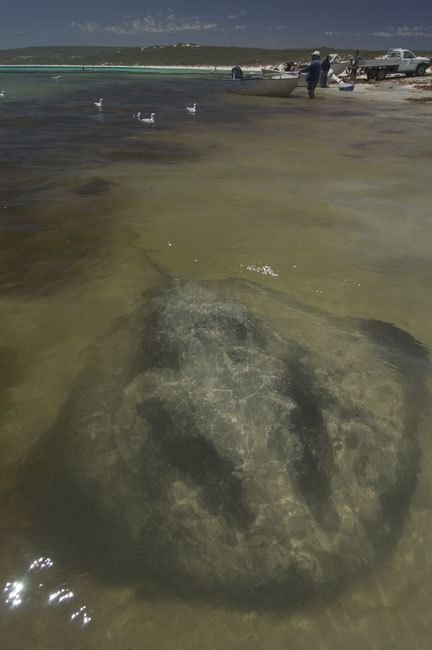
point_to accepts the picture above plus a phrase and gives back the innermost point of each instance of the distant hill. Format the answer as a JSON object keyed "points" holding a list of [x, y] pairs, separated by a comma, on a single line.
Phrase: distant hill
{"points": [[154, 55], [183, 54]]}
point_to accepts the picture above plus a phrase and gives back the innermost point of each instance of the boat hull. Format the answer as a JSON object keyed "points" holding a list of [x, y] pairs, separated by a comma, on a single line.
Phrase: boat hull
{"points": [[268, 87]]}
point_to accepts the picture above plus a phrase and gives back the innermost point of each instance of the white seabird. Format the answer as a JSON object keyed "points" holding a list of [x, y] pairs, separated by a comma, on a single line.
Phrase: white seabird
{"points": [[192, 109], [146, 120]]}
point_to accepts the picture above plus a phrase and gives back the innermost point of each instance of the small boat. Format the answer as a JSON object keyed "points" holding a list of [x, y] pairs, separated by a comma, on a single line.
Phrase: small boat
{"points": [[338, 66], [278, 85], [299, 73]]}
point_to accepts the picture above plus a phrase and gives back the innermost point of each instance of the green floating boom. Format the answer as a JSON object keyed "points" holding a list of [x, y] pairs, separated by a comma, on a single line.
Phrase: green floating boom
{"points": [[128, 69]]}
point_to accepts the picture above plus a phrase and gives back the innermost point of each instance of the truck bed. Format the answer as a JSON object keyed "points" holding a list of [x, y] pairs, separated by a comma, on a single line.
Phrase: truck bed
{"points": [[380, 62]]}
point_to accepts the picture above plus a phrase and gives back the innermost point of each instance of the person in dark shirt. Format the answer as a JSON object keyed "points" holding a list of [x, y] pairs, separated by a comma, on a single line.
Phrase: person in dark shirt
{"points": [[354, 66], [325, 67], [313, 74], [236, 72]]}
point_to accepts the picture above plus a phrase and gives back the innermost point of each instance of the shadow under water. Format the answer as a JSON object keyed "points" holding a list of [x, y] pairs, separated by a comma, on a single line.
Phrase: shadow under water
{"points": [[207, 453]]}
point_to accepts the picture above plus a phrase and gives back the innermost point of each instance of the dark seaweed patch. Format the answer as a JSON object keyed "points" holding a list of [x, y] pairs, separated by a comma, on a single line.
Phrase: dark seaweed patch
{"points": [[95, 187]]}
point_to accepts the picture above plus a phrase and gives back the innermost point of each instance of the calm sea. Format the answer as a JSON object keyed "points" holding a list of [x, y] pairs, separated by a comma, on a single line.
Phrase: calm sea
{"points": [[329, 201]]}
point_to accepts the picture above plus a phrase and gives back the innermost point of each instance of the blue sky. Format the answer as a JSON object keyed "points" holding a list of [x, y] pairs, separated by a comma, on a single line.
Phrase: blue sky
{"points": [[380, 25]]}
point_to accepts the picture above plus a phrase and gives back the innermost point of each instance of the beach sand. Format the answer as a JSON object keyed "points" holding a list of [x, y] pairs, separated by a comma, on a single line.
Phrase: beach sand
{"points": [[396, 88]]}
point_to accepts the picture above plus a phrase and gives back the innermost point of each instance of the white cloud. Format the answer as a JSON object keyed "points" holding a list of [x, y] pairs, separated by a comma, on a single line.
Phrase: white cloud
{"points": [[170, 22], [238, 14], [85, 27], [149, 24], [404, 30]]}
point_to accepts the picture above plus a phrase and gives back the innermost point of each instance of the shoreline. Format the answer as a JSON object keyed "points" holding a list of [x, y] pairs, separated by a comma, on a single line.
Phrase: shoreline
{"points": [[137, 69], [393, 88]]}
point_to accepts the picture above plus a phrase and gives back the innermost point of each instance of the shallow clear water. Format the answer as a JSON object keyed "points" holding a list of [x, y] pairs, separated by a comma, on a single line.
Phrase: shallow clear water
{"points": [[329, 201]]}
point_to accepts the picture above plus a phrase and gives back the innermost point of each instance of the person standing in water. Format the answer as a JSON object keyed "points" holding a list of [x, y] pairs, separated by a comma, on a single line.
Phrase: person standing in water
{"points": [[313, 74]]}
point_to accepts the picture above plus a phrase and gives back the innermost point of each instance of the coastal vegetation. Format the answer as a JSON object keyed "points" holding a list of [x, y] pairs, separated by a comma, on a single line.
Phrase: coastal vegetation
{"points": [[183, 54]]}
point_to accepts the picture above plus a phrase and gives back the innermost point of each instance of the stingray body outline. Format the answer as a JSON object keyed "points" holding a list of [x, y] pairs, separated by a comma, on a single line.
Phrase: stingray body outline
{"points": [[227, 441]]}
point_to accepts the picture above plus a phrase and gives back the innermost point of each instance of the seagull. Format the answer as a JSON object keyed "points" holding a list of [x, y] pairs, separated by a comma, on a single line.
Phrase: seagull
{"points": [[57, 77], [192, 109], [99, 104], [146, 120], [2, 94]]}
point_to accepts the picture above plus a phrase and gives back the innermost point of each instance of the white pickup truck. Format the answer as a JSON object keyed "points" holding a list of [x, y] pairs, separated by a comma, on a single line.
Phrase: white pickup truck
{"points": [[397, 60]]}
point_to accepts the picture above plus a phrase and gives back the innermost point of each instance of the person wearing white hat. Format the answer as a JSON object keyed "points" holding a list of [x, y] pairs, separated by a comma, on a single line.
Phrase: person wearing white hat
{"points": [[313, 74]]}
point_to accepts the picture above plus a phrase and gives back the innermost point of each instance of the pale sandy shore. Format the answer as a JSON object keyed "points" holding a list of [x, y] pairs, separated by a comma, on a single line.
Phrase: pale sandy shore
{"points": [[394, 89]]}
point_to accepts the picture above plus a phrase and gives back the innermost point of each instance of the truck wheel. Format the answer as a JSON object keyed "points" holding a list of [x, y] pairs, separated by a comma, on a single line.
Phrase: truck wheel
{"points": [[381, 74], [370, 74], [421, 69]]}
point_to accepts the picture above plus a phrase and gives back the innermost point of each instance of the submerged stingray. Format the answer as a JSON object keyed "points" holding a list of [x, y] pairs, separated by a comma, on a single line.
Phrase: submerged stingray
{"points": [[228, 441]]}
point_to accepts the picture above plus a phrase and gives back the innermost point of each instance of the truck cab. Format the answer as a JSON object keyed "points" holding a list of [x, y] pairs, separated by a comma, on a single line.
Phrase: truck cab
{"points": [[396, 60], [408, 60]]}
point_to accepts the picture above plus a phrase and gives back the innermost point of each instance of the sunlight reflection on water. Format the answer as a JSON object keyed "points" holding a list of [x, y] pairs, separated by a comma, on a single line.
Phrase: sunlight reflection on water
{"points": [[36, 589]]}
